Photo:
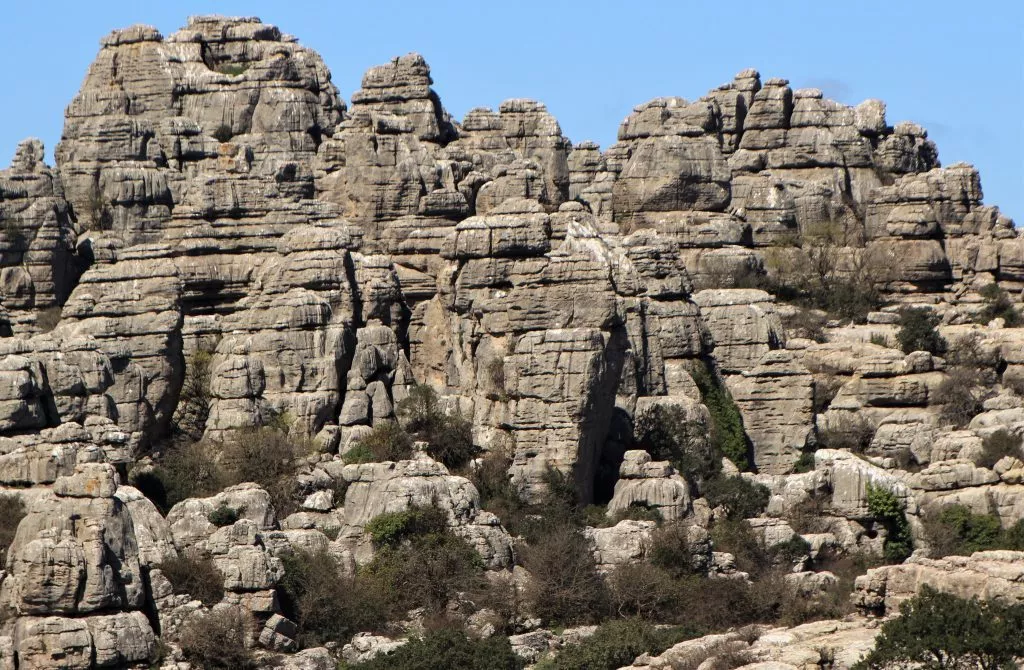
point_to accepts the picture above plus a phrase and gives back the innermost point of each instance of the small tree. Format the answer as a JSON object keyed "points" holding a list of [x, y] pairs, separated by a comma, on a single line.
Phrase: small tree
{"points": [[918, 331], [194, 402], [998, 306], [218, 640], [938, 631], [449, 437], [888, 510], [667, 433]]}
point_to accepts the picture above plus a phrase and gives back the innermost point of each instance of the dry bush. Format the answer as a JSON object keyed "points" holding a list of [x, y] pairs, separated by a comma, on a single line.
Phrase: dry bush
{"points": [[999, 445], [670, 549], [850, 431], [566, 587], [12, 511], [324, 602], [196, 576], [218, 640], [641, 590], [187, 469], [267, 456], [960, 396]]}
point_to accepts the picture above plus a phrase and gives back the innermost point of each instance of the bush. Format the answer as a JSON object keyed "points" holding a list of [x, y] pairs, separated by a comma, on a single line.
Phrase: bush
{"points": [[642, 590], [918, 331], [613, 645], [447, 650], [223, 133], [268, 456], [566, 587], [998, 305], [959, 396], [186, 470], [937, 631], [325, 603], [884, 506], [736, 537], [999, 445], [806, 323], [393, 528], [727, 434], [195, 576], [420, 562], [223, 516], [449, 438], [12, 511], [741, 498], [852, 432], [954, 530], [667, 434], [194, 402], [670, 549], [218, 640], [386, 442]]}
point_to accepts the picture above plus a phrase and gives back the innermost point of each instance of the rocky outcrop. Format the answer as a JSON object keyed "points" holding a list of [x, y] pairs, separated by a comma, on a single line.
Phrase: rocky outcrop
{"points": [[988, 575]]}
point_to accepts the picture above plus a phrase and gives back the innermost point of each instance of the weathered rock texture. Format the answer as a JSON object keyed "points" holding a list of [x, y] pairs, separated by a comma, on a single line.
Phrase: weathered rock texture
{"points": [[214, 199]]}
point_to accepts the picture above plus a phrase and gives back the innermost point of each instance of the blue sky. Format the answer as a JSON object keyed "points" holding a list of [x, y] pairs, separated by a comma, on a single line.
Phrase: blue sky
{"points": [[956, 68]]}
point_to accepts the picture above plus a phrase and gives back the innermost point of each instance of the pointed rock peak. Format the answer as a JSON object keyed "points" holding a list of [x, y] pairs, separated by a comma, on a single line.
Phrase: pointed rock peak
{"points": [[28, 157]]}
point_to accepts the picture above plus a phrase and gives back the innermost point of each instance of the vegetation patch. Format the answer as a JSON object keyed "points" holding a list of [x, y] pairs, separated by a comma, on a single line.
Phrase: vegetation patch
{"points": [[196, 576], [938, 631]]}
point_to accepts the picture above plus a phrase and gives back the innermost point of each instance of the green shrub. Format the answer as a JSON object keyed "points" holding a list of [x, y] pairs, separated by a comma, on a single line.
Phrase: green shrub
{"points": [[218, 640], [223, 516], [196, 576], [667, 433], [727, 434], [736, 537], [998, 305], [447, 650], [565, 587], [918, 331], [12, 511], [999, 445], [393, 528], [325, 603], [386, 442], [805, 463], [938, 631], [419, 561], [614, 645], [232, 68], [642, 590], [884, 506], [194, 402], [360, 452], [449, 438], [954, 530], [741, 498], [223, 133]]}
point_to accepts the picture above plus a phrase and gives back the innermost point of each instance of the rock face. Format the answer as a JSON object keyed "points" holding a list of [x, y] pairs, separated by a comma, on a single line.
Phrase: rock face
{"points": [[221, 228]]}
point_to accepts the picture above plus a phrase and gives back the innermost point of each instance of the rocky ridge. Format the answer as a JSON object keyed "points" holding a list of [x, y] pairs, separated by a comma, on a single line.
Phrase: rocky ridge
{"points": [[212, 193]]}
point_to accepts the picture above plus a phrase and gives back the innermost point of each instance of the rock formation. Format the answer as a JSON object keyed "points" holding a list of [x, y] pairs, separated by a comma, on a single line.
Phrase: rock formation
{"points": [[217, 209]]}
